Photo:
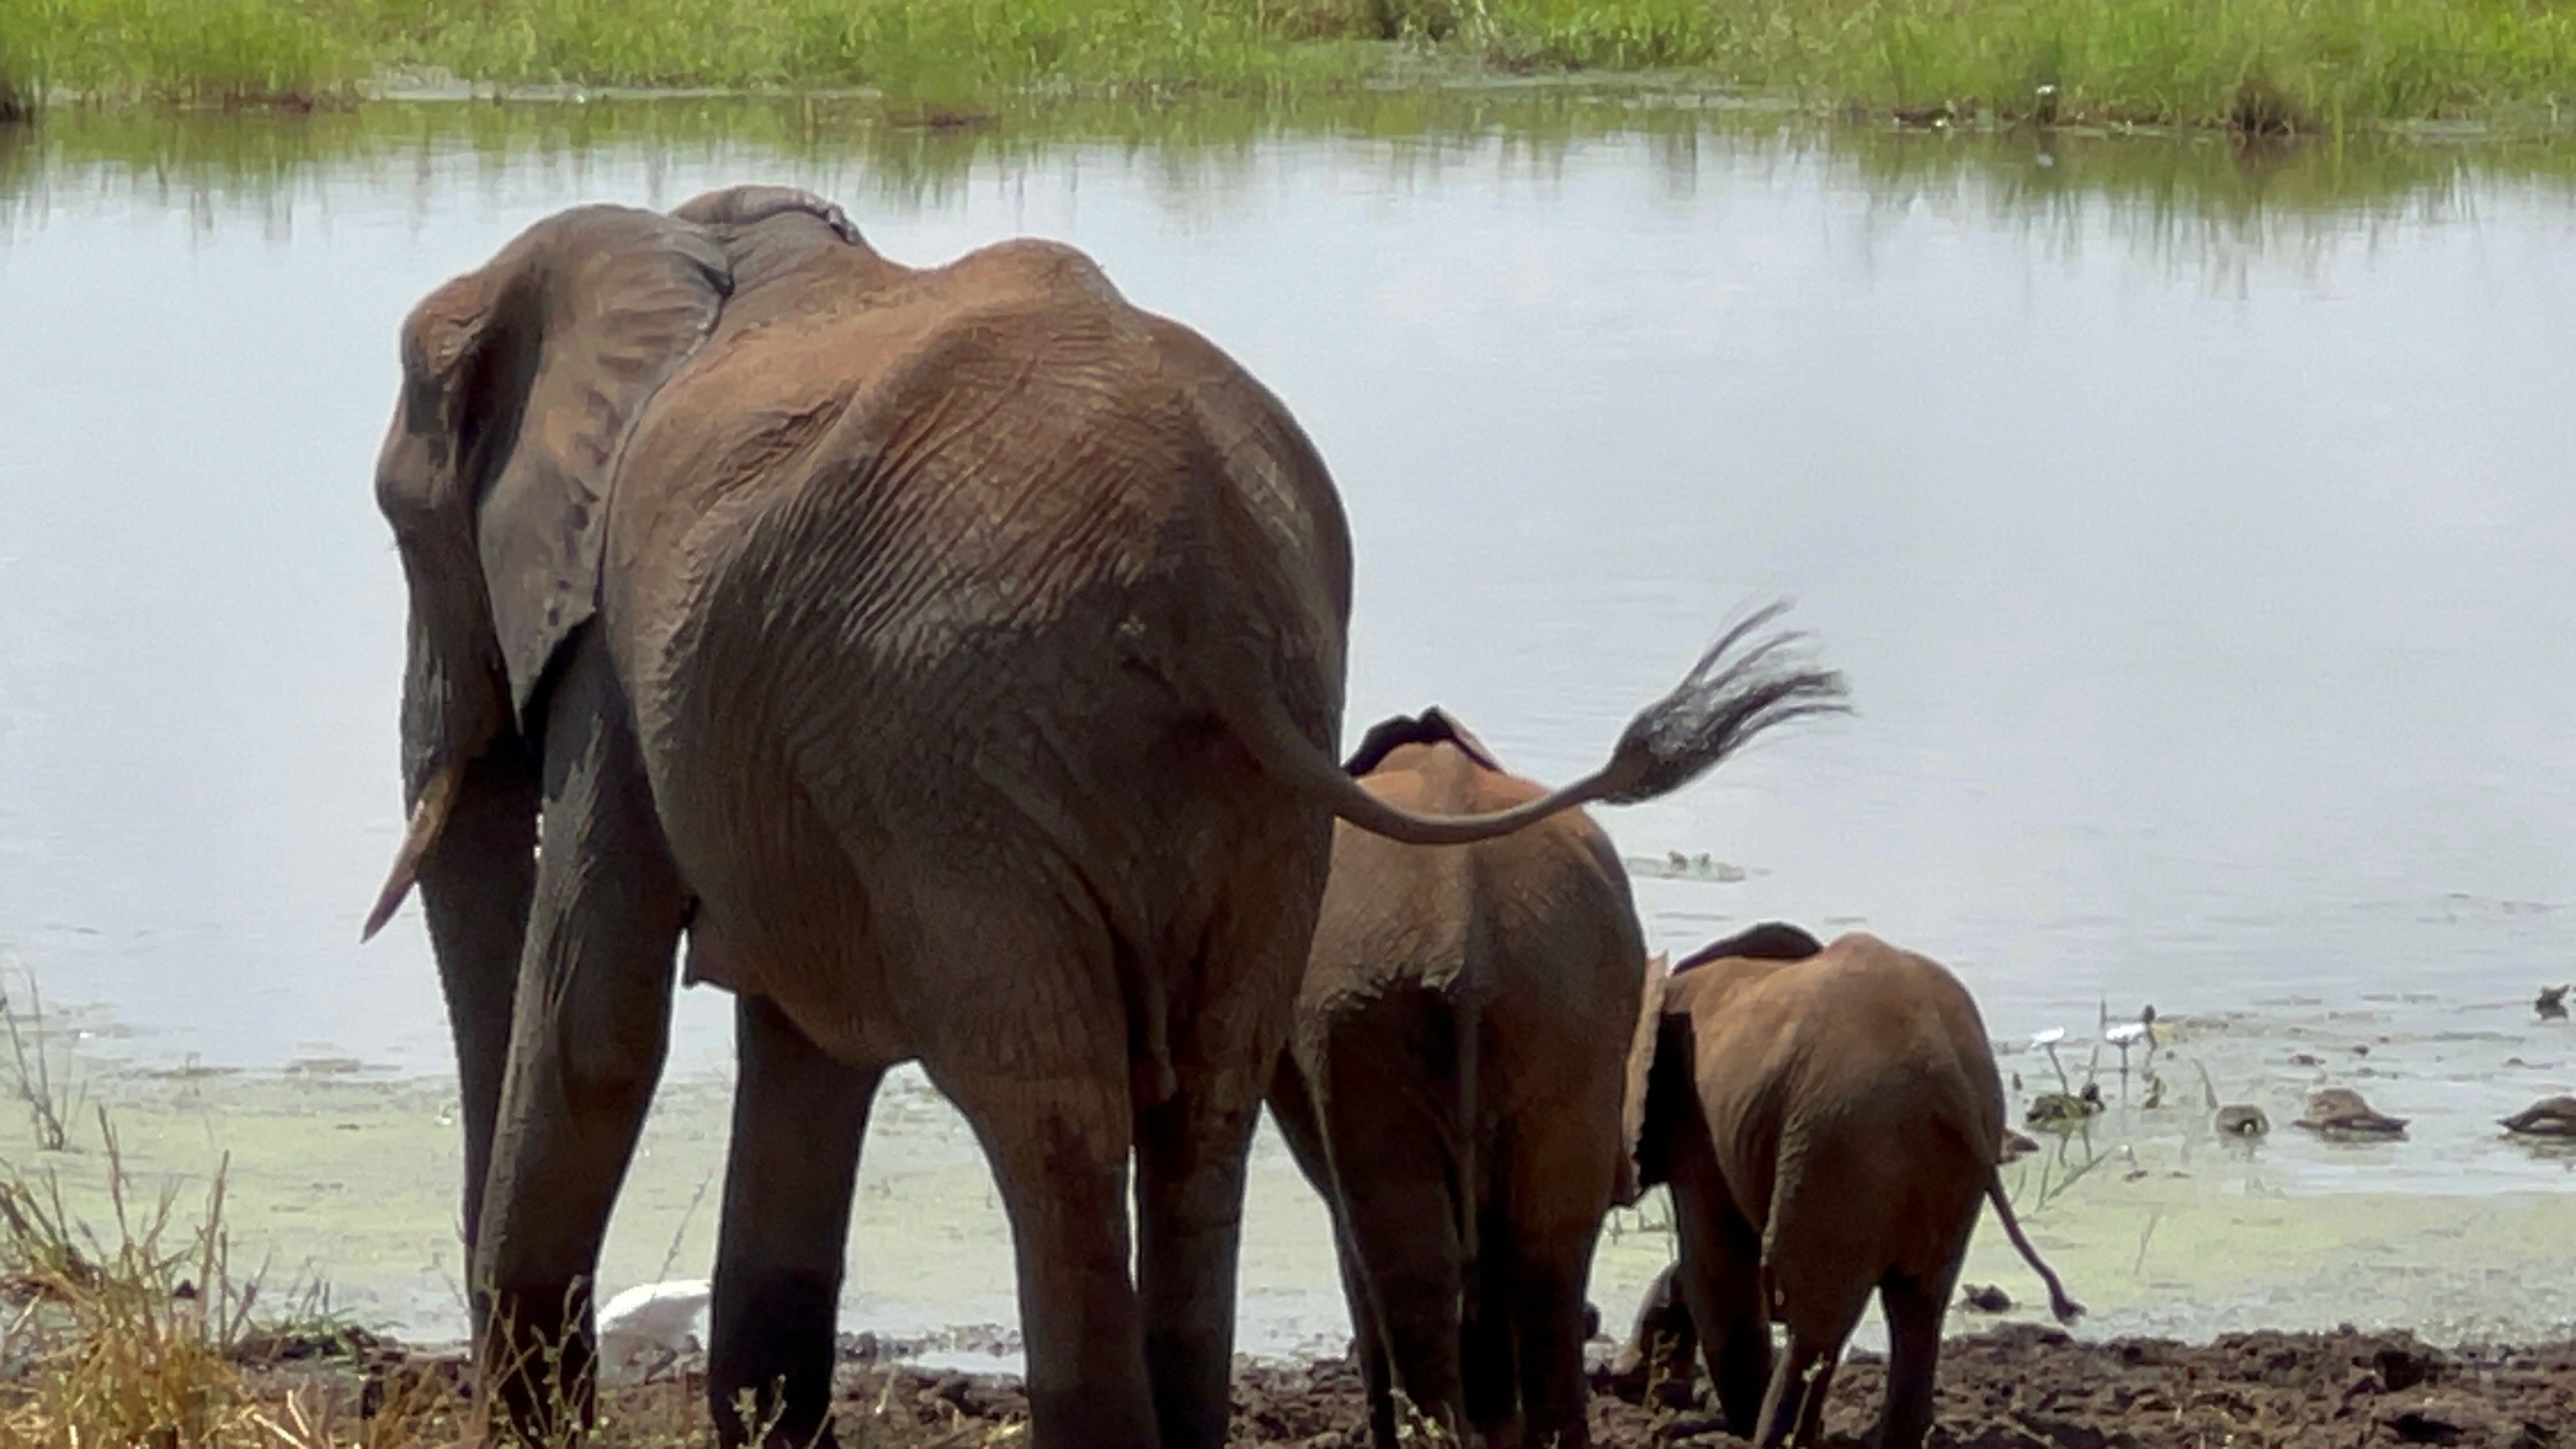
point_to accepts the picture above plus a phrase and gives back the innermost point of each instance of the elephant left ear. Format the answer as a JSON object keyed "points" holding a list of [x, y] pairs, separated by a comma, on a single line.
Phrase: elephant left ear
{"points": [[1641, 1063]]}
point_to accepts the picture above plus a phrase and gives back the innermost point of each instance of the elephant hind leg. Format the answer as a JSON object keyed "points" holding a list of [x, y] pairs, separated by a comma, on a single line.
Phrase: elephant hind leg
{"points": [[1059, 1148], [1552, 1181], [1914, 1313], [1193, 1147], [1720, 1272], [1192, 1152], [1038, 1067], [1547, 1310], [1398, 1143], [1793, 1408], [790, 1168], [1488, 1347], [1915, 1305], [1819, 1324]]}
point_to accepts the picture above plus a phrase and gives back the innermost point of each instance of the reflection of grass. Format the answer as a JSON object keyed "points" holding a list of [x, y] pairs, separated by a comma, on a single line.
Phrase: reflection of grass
{"points": [[2173, 195], [2261, 64]]}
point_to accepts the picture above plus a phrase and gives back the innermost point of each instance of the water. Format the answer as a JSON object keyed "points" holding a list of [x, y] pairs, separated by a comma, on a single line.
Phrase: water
{"points": [[2191, 525]]}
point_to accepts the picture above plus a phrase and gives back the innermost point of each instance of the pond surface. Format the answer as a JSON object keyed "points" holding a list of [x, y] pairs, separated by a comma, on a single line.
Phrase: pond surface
{"points": [[2193, 526]]}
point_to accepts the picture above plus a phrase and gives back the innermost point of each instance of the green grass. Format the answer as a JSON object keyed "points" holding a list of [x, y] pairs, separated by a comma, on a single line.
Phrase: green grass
{"points": [[2304, 64]]}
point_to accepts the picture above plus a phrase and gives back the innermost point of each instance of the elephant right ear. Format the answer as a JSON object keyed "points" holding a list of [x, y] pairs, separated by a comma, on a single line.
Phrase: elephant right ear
{"points": [[1636, 1173]]}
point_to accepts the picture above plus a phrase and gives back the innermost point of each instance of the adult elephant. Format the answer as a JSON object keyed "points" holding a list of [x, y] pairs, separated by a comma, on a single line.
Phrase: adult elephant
{"points": [[953, 656], [1455, 1090], [1829, 1119]]}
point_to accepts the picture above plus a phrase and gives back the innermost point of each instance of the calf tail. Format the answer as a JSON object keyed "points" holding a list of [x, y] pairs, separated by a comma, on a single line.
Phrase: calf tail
{"points": [[2066, 1309]]}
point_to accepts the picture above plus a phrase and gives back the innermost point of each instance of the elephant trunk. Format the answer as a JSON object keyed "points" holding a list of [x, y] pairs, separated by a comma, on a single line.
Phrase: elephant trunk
{"points": [[471, 786]]}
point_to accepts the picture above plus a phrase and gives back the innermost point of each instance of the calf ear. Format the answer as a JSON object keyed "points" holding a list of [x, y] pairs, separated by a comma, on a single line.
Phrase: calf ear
{"points": [[1635, 1111]]}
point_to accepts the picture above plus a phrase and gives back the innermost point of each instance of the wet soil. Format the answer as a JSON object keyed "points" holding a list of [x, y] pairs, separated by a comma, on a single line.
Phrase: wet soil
{"points": [[2016, 1387]]}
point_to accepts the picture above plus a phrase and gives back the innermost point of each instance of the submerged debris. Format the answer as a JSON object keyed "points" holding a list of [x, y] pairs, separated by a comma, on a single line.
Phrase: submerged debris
{"points": [[1986, 1298], [2016, 1145], [2340, 1112], [2552, 1004]]}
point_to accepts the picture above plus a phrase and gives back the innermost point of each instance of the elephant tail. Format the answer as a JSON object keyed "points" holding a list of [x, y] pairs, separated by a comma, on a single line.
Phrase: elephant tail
{"points": [[1742, 687], [2066, 1309]]}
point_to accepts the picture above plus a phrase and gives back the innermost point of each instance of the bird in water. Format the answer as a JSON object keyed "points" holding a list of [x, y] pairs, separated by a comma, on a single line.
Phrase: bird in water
{"points": [[2236, 1119], [2340, 1112], [2548, 1117], [2241, 1119], [2552, 1004], [2064, 1108]]}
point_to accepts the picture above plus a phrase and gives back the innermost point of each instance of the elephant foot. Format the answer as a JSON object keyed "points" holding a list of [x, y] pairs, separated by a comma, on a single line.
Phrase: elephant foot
{"points": [[535, 1370]]}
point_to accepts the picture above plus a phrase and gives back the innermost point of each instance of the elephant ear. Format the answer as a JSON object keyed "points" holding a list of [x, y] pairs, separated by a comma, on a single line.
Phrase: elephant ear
{"points": [[522, 383], [1634, 1103], [606, 314], [1434, 726]]}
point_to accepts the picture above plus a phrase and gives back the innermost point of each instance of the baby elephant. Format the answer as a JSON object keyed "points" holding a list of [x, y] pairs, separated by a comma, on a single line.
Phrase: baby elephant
{"points": [[1470, 1032], [1828, 1118]]}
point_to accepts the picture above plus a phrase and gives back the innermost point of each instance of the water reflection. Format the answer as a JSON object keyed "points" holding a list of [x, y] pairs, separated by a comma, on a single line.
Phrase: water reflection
{"points": [[2202, 203]]}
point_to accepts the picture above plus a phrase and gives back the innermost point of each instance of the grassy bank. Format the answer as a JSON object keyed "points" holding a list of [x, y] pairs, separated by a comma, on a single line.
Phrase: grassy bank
{"points": [[2307, 64]]}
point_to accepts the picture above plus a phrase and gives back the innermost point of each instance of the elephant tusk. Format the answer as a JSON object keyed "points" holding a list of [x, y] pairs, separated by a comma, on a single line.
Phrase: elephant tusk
{"points": [[428, 818]]}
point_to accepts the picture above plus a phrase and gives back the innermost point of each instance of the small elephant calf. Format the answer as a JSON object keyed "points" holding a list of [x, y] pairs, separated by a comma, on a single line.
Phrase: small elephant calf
{"points": [[1828, 1119], [1469, 1036]]}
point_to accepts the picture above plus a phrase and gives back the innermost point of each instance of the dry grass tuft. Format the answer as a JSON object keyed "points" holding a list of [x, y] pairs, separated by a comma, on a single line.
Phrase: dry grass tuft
{"points": [[137, 1332]]}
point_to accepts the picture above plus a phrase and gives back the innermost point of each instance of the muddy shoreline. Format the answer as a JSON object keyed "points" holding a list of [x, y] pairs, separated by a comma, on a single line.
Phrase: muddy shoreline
{"points": [[2010, 1387]]}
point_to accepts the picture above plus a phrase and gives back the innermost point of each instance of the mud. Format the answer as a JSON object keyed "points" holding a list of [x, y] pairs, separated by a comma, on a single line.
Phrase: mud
{"points": [[2017, 1387]]}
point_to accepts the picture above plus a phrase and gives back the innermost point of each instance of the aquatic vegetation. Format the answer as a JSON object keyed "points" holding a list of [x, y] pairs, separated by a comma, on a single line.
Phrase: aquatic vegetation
{"points": [[51, 1099], [2266, 66]]}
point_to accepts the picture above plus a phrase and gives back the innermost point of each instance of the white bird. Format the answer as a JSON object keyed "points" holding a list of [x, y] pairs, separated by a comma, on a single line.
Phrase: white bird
{"points": [[649, 1325], [2125, 1034]]}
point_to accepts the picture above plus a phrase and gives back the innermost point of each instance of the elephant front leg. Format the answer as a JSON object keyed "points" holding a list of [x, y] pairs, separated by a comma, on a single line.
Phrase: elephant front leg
{"points": [[798, 1119], [591, 1023]]}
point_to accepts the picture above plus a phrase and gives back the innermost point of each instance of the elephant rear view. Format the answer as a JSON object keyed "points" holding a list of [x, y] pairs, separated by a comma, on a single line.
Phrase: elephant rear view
{"points": [[1829, 1125], [1455, 1088], [953, 656]]}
